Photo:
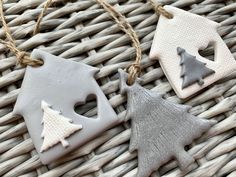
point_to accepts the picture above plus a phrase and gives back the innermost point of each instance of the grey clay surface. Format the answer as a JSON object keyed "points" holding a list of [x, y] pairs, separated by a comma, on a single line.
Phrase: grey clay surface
{"points": [[193, 70], [159, 129], [62, 84]]}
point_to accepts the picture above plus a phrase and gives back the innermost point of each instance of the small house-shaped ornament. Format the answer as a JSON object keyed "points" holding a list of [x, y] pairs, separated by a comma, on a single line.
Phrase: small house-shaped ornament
{"points": [[47, 101], [191, 33]]}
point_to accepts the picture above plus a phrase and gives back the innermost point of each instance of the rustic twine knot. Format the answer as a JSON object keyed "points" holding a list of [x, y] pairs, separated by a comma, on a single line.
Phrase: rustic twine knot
{"points": [[20, 57], [23, 58]]}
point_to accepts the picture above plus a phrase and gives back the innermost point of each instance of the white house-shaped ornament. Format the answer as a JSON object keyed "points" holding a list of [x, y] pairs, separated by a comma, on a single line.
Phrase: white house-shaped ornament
{"points": [[192, 33], [51, 92]]}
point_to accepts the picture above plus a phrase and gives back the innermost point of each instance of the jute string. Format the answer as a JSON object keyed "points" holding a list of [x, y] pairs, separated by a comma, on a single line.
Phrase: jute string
{"points": [[158, 8], [135, 68], [23, 58], [40, 17]]}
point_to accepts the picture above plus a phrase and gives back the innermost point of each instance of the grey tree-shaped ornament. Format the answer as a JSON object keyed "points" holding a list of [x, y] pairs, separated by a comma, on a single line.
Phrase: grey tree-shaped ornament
{"points": [[193, 70], [159, 129]]}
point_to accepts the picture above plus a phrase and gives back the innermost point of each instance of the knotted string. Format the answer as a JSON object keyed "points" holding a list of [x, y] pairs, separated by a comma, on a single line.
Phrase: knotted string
{"points": [[23, 58], [135, 68]]}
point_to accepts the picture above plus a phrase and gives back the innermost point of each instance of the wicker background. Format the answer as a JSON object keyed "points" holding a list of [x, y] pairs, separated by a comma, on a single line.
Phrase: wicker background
{"points": [[82, 31]]}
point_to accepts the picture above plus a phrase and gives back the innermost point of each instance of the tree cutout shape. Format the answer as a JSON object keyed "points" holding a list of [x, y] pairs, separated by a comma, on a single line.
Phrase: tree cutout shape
{"points": [[159, 128], [193, 70], [56, 127]]}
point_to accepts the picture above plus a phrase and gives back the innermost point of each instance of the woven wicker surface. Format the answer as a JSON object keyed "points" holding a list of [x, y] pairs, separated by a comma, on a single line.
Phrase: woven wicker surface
{"points": [[82, 31]]}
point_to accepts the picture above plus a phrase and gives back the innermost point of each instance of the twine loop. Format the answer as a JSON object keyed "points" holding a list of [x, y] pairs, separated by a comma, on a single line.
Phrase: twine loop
{"points": [[21, 55], [23, 58], [134, 69]]}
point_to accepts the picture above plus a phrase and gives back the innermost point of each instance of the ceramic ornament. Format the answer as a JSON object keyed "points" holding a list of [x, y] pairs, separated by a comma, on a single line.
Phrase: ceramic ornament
{"points": [[159, 129], [192, 33], [192, 70], [47, 100], [56, 127]]}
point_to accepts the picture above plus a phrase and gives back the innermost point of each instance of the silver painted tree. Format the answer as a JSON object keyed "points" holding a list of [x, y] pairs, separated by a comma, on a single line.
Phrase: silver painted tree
{"points": [[159, 129], [193, 70], [56, 127]]}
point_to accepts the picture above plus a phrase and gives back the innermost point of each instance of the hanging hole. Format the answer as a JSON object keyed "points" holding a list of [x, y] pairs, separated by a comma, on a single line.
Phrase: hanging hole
{"points": [[208, 52], [88, 108]]}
